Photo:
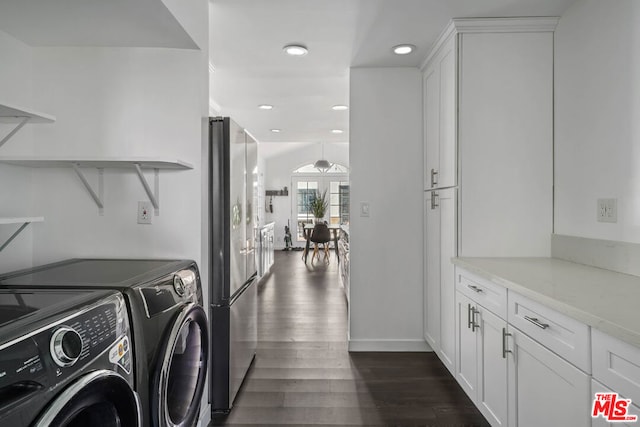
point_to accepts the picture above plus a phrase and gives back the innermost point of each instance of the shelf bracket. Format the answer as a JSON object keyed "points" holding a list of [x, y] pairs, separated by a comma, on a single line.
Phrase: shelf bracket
{"points": [[153, 195], [14, 235], [97, 197], [16, 129]]}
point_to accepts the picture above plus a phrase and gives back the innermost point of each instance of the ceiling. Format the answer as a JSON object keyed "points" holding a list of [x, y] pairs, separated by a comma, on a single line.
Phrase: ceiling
{"points": [[139, 23], [247, 36], [250, 67]]}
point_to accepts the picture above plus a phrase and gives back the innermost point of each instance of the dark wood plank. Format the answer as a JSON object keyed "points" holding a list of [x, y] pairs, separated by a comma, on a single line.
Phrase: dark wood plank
{"points": [[303, 374]]}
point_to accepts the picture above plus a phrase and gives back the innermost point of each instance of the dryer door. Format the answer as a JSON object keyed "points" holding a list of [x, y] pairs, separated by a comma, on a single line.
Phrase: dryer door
{"points": [[100, 398], [179, 384]]}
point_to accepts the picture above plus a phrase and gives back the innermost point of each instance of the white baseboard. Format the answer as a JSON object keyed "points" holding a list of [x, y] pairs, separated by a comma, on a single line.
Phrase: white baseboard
{"points": [[388, 345]]}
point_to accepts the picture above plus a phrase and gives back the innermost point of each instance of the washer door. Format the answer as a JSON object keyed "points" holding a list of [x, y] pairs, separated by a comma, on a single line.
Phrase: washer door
{"points": [[179, 383], [100, 398]]}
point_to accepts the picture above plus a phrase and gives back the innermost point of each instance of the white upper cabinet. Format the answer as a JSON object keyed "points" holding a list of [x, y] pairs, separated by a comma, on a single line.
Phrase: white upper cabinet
{"points": [[439, 85], [488, 130]]}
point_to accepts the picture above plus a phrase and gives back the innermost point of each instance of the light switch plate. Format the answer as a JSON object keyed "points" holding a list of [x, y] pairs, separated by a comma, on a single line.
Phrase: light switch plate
{"points": [[607, 210], [364, 209]]}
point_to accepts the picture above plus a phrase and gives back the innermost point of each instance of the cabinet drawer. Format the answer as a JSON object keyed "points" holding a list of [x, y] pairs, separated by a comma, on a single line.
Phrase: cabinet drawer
{"points": [[489, 295], [561, 334], [616, 364]]}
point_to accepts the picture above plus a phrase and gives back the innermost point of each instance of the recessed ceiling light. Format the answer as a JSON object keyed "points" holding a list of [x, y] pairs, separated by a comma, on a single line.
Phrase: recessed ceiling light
{"points": [[295, 50], [336, 131], [265, 107], [339, 107], [275, 130], [403, 49]]}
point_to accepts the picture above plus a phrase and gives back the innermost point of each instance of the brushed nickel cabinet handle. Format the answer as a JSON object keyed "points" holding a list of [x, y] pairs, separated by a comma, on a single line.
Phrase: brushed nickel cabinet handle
{"points": [[434, 198], [474, 288], [434, 177], [474, 325], [536, 322], [504, 343]]}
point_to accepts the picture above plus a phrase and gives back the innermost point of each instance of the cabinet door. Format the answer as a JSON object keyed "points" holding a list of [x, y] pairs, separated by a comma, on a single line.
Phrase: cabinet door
{"points": [[492, 368], [446, 202], [446, 176], [544, 389], [432, 273], [431, 100], [467, 347], [440, 118]]}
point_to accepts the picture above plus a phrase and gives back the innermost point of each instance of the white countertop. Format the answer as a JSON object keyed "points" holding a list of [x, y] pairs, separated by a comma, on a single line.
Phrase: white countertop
{"points": [[602, 299]]}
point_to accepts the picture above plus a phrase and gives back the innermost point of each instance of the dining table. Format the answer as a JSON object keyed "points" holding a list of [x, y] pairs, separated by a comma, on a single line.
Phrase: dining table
{"points": [[308, 228]]}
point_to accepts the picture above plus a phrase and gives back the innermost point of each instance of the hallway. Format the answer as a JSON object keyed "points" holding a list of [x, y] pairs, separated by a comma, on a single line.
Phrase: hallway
{"points": [[303, 374]]}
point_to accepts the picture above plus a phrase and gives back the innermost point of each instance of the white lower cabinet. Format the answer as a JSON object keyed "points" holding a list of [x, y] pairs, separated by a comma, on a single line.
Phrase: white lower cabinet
{"points": [[440, 247], [481, 366], [513, 379], [544, 389]]}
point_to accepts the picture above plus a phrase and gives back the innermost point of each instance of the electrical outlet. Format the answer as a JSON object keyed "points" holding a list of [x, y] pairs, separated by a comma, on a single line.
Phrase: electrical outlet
{"points": [[607, 210], [145, 212]]}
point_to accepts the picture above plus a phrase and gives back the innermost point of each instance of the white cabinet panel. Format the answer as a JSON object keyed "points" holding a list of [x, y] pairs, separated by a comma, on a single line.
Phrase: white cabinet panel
{"points": [[505, 131], [565, 336], [448, 114], [440, 247], [481, 364], [432, 273], [446, 201], [440, 114], [616, 364], [491, 296], [467, 349], [492, 368], [431, 87], [544, 389]]}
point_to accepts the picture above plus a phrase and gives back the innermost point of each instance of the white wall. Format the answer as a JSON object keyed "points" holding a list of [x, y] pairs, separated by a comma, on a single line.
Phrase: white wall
{"points": [[597, 118], [386, 247], [109, 102], [15, 183], [278, 169]]}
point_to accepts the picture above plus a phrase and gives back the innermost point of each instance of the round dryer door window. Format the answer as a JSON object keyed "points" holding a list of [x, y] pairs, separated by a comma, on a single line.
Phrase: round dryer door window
{"points": [[181, 380], [100, 398]]}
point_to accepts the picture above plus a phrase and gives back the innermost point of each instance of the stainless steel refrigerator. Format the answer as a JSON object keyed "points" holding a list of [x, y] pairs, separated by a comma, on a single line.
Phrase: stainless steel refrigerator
{"points": [[232, 269]]}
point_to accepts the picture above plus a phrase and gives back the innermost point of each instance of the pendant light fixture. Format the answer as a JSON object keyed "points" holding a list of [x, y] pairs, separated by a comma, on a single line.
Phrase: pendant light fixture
{"points": [[322, 165]]}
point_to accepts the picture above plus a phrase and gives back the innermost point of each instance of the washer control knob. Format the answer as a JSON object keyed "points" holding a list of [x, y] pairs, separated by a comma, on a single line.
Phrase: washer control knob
{"points": [[65, 346]]}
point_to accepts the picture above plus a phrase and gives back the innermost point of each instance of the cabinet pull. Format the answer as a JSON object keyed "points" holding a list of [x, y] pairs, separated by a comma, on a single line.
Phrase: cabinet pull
{"points": [[434, 198], [504, 343], [474, 288], [468, 316], [434, 178], [474, 325], [536, 322]]}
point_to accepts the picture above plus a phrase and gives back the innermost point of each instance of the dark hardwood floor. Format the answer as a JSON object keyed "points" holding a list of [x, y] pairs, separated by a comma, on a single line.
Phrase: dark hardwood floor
{"points": [[304, 375]]}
